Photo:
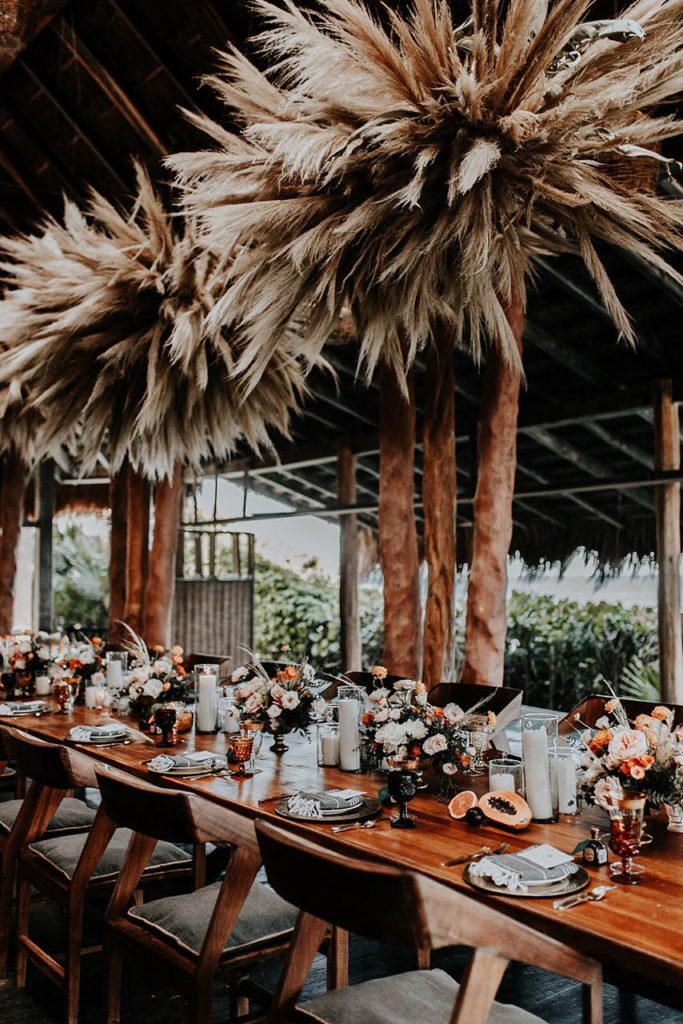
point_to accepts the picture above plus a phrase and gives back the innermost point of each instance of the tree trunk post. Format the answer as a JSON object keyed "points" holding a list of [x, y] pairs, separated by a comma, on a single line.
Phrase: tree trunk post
{"points": [[668, 520], [349, 559], [486, 624], [45, 546], [137, 549], [160, 588], [118, 534], [397, 529], [439, 504], [13, 479]]}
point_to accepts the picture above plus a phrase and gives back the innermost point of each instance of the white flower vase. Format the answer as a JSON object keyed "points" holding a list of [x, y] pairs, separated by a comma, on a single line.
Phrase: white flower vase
{"points": [[674, 813]]}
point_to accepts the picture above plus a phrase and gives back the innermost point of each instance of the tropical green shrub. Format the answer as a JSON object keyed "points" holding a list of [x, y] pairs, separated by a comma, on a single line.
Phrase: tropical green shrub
{"points": [[81, 589], [559, 651]]}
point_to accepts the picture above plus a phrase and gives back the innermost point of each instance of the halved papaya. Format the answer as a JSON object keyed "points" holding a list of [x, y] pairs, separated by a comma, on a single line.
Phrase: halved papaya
{"points": [[503, 807]]}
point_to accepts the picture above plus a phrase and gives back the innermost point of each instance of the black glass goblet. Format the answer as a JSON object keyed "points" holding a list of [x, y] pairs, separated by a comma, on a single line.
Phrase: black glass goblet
{"points": [[402, 786], [164, 718]]}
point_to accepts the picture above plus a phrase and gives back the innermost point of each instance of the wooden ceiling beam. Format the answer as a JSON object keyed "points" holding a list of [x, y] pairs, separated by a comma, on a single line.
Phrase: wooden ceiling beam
{"points": [[568, 357], [78, 130], [108, 84], [19, 179], [625, 447], [581, 503]]}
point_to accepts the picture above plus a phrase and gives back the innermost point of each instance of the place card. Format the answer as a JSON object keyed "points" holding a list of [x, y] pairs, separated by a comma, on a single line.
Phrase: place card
{"points": [[546, 856], [345, 794]]}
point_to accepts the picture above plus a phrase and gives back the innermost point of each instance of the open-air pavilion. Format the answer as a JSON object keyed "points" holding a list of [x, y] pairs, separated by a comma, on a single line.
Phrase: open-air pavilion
{"points": [[415, 270]]}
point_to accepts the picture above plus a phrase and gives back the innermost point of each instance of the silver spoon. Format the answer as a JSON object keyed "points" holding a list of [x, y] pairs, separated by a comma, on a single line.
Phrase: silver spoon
{"points": [[359, 824], [598, 893]]}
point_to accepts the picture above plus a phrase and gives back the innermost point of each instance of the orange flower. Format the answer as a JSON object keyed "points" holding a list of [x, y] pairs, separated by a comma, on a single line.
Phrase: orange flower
{"points": [[96, 641], [290, 672], [437, 712], [180, 670], [637, 772], [379, 671], [637, 766], [600, 740], [367, 718]]}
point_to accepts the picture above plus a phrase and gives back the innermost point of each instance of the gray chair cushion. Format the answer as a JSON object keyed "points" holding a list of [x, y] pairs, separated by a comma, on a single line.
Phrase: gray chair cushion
{"points": [[63, 853], [403, 999], [70, 814], [184, 920]]}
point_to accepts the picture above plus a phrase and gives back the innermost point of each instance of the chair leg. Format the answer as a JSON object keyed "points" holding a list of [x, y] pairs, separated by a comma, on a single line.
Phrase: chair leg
{"points": [[72, 963], [338, 959], [201, 1001], [114, 976], [23, 908], [6, 888]]}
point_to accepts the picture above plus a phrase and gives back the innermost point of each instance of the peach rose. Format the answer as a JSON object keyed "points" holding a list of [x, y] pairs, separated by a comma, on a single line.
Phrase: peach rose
{"points": [[379, 672], [644, 722], [612, 705], [600, 740], [627, 743], [663, 714]]}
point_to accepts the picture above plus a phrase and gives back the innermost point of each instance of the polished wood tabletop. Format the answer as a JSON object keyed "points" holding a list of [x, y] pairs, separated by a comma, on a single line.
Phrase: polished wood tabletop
{"points": [[637, 931]]}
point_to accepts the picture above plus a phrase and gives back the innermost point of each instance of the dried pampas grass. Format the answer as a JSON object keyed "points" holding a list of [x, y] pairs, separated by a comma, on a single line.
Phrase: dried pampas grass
{"points": [[412, 169], [102, 325]]}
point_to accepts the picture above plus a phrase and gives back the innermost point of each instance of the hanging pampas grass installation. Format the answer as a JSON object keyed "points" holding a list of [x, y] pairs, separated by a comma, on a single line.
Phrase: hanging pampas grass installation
{"points": [[102, 324], [410, 168]]}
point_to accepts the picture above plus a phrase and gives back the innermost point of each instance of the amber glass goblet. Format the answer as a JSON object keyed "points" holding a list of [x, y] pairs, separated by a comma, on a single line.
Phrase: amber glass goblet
{"points": [[61, 691], [240, 746], [625, 839]]}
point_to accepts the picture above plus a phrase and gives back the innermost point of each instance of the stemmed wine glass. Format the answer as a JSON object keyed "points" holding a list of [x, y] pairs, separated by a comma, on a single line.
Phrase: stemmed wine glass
{"points": [[626, 838], [402, 786], [241, 745], [255, 730], [165, 718]]}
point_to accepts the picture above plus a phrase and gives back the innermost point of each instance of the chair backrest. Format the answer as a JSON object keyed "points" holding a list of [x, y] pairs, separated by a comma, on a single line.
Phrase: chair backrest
{"points": [[589, 710], [367, 681], [51, 764], [396, 905], [504, 701], [169, 814]]}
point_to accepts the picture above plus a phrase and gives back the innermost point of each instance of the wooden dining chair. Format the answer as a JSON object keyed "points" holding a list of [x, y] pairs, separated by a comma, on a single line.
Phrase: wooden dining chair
{"points": [[22, 821], [69, 869], [232, 925], [398, 906]]}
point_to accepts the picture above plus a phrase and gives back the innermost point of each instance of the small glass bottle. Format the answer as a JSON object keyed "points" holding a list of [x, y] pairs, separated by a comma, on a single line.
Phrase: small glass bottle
{"points": [[595, 851]]}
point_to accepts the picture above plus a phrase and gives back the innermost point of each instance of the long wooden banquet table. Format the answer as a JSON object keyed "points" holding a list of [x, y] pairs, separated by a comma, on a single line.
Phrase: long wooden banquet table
{"points": [[636, 932]]}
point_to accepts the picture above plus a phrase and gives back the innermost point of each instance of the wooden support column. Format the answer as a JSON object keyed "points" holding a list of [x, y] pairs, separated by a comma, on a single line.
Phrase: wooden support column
{"points": [[13, 479], [45, 556], [160, 587], [486, 624], [349, 558], [397, 529], [438, 499], [137, 550], [118, 537], [668, 515]]}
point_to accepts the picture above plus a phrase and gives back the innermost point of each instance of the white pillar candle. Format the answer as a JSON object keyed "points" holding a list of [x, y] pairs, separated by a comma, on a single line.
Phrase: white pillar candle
{"points": [[207, 703], [231, 721], [42, 685], [329, 747], [349, 735], [537, 773], [90, 696], [114, 674], [566, 784], [503, 780]]}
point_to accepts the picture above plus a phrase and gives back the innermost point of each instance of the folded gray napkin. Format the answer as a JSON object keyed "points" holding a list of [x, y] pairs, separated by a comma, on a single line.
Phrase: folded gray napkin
{"points": [[514, 872], [198, 759], [319, 804], [12, 707], [88, 733]]}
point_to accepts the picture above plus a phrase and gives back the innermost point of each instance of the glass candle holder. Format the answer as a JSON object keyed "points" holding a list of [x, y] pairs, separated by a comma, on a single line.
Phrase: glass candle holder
{"points": [[117, 663], [475, 734], [564, 771], [328, 744], [539, 741], [506, 773], [206, 697], [350, 707]]}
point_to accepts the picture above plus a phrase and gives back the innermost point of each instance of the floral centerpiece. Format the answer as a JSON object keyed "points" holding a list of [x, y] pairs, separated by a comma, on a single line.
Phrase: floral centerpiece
{"points": [[84, 661], [25, 655], [279, 704], [402, 725], [623, 757], [157, 676]]}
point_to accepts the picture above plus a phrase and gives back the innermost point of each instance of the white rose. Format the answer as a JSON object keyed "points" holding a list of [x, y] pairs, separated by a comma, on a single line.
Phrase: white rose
{"points": [[421, 698], [162, 666], [391, 735], [290, 700], [449, 768], [240, 673], [97, 679], [405, 684], [395, 714], [416, 730], [434, 744], [607, 792], [274, 711], [152, 688], [277, 692], [253, 703], [382, 715], [140, 675], [378, 696], [453, 713], [625, 743]]}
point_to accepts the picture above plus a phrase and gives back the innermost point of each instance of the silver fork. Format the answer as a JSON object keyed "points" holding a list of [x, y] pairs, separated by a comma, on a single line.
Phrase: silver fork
{"points": [[484, 852], [359, 824], [598, 893]]}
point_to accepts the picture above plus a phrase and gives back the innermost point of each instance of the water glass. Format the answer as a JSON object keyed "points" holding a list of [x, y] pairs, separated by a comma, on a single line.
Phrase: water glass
{"points": [[328, 744], [475, 735]]}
